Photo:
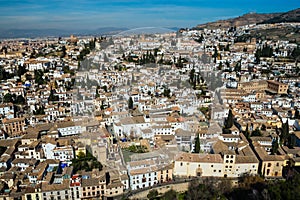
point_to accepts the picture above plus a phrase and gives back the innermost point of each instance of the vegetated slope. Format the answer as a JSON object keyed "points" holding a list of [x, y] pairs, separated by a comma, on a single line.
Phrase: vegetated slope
{"points": [[290, 16], [250, 18]]}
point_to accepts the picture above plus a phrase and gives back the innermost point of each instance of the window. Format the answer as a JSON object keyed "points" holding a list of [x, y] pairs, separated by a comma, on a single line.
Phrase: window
{"points": [[181, 164], [269, 164]]}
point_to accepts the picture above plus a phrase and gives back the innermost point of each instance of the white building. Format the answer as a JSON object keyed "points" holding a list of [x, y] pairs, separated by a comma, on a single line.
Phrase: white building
{"points": [[7, 110], [68, 128], [64, 154], [142, 174]]}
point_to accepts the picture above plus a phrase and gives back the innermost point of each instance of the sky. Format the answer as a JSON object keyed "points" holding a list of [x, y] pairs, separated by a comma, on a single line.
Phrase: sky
{"points": [[93, 14]]}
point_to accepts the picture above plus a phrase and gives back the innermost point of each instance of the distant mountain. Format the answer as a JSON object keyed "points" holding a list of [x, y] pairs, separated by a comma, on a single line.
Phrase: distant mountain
{"points": [[290, 16], [250, 18], [108, 30], [34, 33], [31, 33], [173, 28]]}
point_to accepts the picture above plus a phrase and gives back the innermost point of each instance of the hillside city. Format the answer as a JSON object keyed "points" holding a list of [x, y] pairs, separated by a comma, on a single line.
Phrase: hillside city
{"points": [[106, 117]]}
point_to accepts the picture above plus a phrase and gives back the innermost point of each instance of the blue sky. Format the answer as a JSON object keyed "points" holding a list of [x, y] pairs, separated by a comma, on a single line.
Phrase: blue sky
{"points": [[93, 14]]}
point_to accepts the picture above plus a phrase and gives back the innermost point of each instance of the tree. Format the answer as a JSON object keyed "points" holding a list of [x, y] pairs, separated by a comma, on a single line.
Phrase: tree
{"points": [[8, 98], [152, 194], [227, 48], [52, 96], [104, 87], [63, 49], [256, 132], [284, 132], [21, 70], [38, 77], [86, 162], [170, 195], [215, 55], [220, 66], [97, 92], [291, 141], [237, 67], [192, 76], [39, 111], [167, 92], [229, 120], [3, 74], [197, 144], [130, 103], [204, 191], [20, 100], [275, 146]]}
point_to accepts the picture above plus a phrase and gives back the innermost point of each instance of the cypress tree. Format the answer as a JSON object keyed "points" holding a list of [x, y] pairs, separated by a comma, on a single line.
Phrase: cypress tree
{"points": [[284, 132], [229, 120], [130, 103], [197, 144], [275, 146]]}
